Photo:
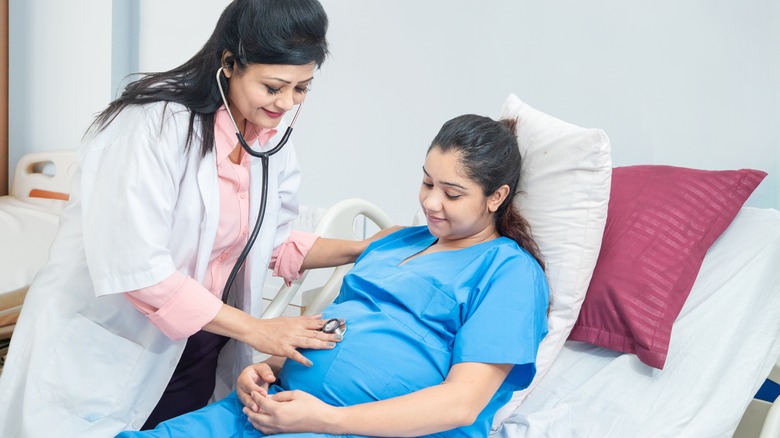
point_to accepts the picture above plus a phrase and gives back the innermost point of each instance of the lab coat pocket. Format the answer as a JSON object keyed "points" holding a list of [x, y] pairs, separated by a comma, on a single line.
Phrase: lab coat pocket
{"points": [[89, 369]]}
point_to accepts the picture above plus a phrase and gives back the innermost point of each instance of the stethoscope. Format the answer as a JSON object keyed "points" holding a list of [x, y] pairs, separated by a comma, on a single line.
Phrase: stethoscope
{"points": [[264, 159], [334, 326]]}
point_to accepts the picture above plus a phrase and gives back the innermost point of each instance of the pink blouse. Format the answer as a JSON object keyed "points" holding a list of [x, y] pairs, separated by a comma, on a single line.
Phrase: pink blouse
{"points": [[180, 306]]}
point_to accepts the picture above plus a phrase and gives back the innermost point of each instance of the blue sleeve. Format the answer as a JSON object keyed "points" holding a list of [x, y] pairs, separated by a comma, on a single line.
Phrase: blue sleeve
{"points": [[506, 318]]}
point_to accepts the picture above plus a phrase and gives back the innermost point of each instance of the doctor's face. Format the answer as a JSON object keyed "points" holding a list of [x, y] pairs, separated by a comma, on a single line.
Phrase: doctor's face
{"points": [[262, 93], [457, 211]]}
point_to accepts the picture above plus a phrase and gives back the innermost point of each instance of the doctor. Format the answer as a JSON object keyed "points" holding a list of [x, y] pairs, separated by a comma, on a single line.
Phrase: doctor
{"points": [[123, 327]]}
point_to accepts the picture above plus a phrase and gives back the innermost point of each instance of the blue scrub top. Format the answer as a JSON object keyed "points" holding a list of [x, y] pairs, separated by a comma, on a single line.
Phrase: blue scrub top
{"points": [[407, 324]]}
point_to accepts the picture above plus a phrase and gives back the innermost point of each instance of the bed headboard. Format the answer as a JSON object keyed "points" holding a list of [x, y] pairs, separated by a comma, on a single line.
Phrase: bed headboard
{"points": [[44, 175]]}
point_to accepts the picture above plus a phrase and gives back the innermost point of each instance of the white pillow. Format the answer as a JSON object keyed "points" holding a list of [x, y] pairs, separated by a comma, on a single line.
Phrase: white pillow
{"points": [[564, 192]]}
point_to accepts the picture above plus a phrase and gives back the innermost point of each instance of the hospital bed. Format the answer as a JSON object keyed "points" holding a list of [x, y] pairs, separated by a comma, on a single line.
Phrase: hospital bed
{"points": [[719, 356], [29, 217], [725, 334]]}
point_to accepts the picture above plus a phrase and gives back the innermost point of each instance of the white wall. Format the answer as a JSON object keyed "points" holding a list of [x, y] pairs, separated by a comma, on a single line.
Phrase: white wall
{"points": [[691, 83], [59, 72], [694, 83], [173, 30]]}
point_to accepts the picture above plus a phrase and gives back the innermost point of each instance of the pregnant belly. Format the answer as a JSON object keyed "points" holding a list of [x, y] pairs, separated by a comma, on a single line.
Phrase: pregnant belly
{"points": [[379, 358]]}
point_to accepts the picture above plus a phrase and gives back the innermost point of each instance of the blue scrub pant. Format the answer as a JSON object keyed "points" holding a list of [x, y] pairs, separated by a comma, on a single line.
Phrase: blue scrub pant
{"points": [[223, 419]]}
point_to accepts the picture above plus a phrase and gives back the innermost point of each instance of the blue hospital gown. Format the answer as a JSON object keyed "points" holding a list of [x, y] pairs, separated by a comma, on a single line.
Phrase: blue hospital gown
{"points": [[407, 324]]}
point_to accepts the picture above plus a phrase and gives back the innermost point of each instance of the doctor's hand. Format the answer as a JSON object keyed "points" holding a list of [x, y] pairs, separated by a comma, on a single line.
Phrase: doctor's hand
{"points": [[275, 336], [290, 411], [255, 378], [283, 336]]}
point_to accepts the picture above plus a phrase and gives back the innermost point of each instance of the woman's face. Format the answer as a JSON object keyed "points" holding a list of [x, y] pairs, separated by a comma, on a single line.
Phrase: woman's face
{"points": [[262, 93], [457, 211]]}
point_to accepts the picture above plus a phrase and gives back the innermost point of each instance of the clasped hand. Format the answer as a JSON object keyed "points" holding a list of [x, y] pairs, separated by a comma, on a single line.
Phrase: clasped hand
{"points": [[286, 411]]}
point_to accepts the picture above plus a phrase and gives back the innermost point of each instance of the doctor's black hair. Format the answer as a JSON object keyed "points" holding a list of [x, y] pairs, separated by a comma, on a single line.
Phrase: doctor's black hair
{"points": [[488, 153], [282, 32]]}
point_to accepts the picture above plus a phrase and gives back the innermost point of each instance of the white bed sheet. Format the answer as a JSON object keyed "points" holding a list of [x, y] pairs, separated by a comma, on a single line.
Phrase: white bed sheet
{"points": [[27, 228], [724, 343]]}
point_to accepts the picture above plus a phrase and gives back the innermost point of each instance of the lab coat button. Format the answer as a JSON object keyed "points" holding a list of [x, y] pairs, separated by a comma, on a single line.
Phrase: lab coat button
{"points": [[242, 195]]}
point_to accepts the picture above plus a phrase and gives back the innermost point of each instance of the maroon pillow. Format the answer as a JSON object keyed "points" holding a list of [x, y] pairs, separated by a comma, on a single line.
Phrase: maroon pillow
{"points": [[661, 221]]}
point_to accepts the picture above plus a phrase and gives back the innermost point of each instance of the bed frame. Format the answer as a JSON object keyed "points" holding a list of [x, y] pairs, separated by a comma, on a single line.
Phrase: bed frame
{"points": [[44, 175]]}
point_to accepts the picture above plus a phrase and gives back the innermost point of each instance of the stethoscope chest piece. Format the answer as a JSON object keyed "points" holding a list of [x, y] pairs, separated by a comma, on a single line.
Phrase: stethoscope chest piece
{"points": [[334, 326]]}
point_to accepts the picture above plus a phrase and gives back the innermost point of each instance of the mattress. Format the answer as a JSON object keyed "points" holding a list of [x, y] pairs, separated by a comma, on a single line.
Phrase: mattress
{"points": [[724, 344]]}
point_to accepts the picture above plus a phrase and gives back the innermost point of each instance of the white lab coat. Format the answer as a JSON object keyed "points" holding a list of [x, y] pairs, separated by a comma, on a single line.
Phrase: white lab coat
{"points": [[83, 362]]}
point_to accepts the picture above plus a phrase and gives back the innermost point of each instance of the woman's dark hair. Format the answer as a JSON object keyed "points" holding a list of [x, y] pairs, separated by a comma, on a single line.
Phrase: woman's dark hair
{"points": [[490, 156], [288, 32]]}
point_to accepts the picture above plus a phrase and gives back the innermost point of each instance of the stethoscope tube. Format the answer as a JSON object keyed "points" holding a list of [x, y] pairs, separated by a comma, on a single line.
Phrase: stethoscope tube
{"points": [[264, 161], [252, 237]]}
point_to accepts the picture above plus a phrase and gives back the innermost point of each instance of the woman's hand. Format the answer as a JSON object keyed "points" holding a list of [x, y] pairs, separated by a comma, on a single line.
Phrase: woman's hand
{"points": [[254, 378], [290, 411]]}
